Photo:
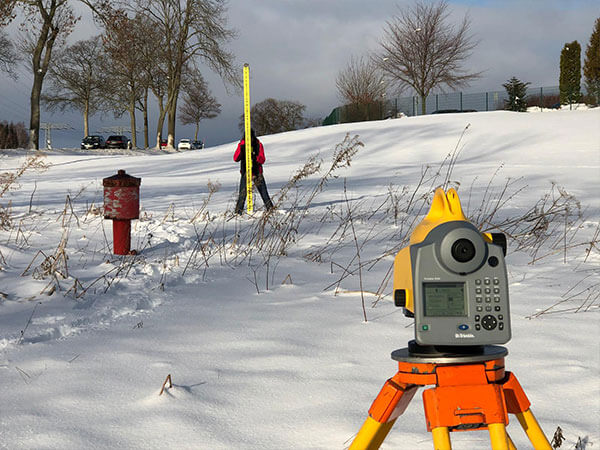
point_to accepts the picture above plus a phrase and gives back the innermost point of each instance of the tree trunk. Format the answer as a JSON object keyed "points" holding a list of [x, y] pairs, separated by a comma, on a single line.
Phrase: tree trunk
{"points": [[86, 114], [172, 110], [171, 116], [161, 121], [423, 104], [39, 64], [145, 112], [132, 121], [34, 117], [196, 133]]}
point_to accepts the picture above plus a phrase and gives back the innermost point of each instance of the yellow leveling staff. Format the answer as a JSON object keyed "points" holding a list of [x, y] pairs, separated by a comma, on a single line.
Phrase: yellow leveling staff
{"points": [[247, 139]]}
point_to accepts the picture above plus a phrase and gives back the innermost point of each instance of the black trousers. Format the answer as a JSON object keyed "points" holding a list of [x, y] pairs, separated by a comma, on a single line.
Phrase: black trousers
{"points": [[261, 185]]}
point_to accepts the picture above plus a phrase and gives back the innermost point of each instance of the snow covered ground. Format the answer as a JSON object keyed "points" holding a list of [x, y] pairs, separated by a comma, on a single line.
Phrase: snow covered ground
{"points": [[264, 336]]}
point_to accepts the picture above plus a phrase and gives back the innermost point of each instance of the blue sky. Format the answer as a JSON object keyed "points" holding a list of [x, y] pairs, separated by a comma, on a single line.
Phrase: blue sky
{"points": [[295, 49]]}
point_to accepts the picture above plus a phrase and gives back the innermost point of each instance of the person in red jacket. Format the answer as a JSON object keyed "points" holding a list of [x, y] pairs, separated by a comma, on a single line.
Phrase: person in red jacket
{"points": [[258, 179]]}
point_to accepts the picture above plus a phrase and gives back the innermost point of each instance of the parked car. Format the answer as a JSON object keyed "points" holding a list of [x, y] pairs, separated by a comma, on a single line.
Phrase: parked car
{"points": [[184, 144], [197, 145], [117, 142], [93, 142]]}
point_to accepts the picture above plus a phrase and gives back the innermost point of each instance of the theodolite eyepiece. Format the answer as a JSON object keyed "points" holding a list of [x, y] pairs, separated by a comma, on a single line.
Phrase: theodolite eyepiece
{"points": [[452, 279]]}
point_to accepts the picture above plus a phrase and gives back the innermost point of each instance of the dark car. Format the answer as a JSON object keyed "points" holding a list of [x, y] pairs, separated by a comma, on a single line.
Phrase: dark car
{"points": [[197, 145], [117, 142], [93, 142]]}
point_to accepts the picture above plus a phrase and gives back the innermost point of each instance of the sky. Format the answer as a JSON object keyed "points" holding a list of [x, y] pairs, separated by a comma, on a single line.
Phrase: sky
{"points": [[296, 48]]}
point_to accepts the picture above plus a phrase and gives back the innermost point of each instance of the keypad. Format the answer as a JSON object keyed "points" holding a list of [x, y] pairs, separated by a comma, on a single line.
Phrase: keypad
{"points": [[488, 299]]}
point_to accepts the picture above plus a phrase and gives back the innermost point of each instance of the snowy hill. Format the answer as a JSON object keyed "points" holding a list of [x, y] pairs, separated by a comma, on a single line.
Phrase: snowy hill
{"points": [[259, 320]]}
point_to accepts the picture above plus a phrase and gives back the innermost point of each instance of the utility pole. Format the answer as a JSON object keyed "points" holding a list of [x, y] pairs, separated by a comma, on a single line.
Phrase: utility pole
{"points": [[48, 127]]}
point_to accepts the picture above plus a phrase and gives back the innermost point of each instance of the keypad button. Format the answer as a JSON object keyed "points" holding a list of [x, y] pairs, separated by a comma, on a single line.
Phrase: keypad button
{"points": [[488, 299], [478, 290], [501, 326], [477, 327], [489, 322], [496, 290], [496, 308], [480, 308], [478, 299], [486, 280], [477, 281], [488, 291], [500, 317], [488, 308], [496, 280], [477, 317], [497, 299]]}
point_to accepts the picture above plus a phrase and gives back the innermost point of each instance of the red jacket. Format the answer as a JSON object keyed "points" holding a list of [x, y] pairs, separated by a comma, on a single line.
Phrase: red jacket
{"points": [[258, 159]]}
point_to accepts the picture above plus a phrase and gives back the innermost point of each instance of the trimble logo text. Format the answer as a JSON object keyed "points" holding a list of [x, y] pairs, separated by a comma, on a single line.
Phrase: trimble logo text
{"points": [[464, 335]]}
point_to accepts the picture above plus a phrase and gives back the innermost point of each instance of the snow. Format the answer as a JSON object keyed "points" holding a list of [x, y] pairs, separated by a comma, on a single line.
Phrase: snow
{"points": [[263, 349]]}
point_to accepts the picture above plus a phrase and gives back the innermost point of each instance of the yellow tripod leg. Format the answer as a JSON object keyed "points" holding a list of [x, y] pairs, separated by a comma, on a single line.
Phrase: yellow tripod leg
{"points": [[534, 431], [441, 438], [371, 435], [498, 436], [511, 444]]}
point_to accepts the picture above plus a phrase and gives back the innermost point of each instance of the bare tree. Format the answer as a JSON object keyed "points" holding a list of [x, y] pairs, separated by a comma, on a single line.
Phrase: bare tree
{"points": [[124, 85], [192, 29], [198, 103], [76, 79], [361, 85], [153, 75], [360, 82], [7, 11], [8, 55], [420, 49], [275, 116], [46, 22]]}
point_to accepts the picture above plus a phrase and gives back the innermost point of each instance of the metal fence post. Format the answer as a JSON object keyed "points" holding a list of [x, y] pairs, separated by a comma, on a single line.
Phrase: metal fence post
{"points": [[541, 98], [461, 102], [436, 102], [486, 101], [413, 106]]}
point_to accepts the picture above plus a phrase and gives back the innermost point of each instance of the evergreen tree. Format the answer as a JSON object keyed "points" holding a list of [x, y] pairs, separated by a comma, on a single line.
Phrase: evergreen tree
{"points": [[2, 134], [570, 73], [591, 65], [517, 95]]}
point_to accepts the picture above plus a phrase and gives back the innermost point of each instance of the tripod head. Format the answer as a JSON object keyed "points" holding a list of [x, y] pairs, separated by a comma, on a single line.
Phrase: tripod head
{"points": [[452, 279]]}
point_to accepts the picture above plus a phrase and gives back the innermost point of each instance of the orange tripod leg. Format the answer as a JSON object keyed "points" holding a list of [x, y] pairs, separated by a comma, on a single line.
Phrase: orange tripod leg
{"points": [[390, 403], [518, 404]]}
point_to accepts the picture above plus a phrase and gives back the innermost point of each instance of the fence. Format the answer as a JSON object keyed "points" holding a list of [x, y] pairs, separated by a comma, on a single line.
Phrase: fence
{"points": [[545, 97]]}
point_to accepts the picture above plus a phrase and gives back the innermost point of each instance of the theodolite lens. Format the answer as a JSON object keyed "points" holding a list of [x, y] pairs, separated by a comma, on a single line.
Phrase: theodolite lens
{"points": [[463, 250]]}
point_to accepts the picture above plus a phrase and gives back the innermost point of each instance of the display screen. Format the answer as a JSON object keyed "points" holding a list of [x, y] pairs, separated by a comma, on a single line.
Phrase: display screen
{"points": [[444, 299]]}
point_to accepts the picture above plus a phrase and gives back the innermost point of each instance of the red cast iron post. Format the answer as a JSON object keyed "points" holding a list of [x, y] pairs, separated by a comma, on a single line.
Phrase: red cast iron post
{"points": [[121, 204]]}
